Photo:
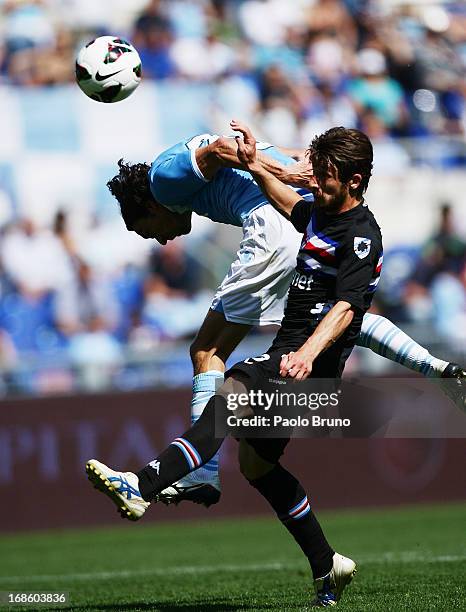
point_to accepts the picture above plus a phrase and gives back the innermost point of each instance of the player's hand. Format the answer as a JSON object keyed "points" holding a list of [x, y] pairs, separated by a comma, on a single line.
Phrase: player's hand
{"points": [[246, 145], [299, 175], [296, 365]]}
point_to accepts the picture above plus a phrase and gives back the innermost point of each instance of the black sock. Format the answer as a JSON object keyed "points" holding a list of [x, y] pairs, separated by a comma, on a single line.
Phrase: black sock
{"points": [[288, 498], [186, 453]]}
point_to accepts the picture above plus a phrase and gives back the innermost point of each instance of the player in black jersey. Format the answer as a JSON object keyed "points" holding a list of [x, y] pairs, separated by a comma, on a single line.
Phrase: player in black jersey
{"points": [[337, 271], [340, 258]]}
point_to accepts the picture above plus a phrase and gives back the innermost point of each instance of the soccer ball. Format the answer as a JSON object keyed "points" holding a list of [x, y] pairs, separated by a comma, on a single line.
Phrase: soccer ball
{"points": [[108, 69]]}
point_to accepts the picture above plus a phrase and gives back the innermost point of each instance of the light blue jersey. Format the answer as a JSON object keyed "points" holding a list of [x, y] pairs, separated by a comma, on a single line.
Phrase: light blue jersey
{"points": [[230, 197]]}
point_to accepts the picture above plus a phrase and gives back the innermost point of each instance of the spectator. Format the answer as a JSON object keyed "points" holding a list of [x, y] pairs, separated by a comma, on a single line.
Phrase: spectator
{"points": [[85, 299], [445, 251], [213, 58], [265, 23], [27, 25], [374, 89], [390, 158], [327, 108], [96, 354], [277, 90], [35, 260], [172, 273], [435, 291], [327, 60], [331, 17], [449, 306], [55, 64], [173, 303], [289, 55], [153, 38]]}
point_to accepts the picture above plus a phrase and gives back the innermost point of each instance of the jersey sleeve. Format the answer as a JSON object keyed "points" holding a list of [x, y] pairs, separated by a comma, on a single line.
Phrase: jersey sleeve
{"points": [[175, 177], [359, 257], [274, 153], [301, 215]]}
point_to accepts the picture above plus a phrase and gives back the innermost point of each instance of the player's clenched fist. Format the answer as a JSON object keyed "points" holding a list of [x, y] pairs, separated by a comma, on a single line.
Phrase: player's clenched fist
{"points": [[246, 145]]}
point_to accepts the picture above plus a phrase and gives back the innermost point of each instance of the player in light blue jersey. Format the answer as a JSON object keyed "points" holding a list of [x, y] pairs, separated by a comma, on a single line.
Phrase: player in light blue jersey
{"points": [[203, 175], [223, 194]]}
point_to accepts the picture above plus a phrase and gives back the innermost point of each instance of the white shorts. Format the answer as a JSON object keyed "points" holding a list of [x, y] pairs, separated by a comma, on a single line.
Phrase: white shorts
{"points": [[255, 289]]}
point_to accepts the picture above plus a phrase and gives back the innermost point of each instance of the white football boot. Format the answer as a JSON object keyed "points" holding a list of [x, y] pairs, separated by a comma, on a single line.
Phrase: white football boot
{"points": [[121, 487], [329, 588]]}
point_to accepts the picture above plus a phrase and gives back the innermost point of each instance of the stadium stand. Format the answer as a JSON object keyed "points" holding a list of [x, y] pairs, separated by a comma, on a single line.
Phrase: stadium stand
{"points": [[75, 285]]}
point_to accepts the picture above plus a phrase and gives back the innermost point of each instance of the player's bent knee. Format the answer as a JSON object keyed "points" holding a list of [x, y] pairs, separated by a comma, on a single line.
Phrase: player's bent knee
{"points": [[203, 359], [251, 465], [196, 352]]}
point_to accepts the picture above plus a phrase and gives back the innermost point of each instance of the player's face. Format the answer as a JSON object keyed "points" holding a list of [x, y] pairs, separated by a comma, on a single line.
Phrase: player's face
{"points": [[329, 192], [162, 224]]}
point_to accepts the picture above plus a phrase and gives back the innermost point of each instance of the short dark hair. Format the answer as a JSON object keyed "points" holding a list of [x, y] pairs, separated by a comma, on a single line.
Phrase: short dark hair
{"points": [[131, 188], [349, 150]]}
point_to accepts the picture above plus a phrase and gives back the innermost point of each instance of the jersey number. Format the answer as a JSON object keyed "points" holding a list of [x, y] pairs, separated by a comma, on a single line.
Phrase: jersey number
{"points": [[317, 308], [264, 357]]}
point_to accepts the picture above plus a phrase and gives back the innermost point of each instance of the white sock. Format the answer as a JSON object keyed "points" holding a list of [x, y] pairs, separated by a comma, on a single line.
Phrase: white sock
{"points": [[386, 339], [204, 387]]}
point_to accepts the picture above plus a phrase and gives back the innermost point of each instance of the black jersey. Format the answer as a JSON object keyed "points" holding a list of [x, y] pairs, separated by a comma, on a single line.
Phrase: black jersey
{"points": [[340, 258]]}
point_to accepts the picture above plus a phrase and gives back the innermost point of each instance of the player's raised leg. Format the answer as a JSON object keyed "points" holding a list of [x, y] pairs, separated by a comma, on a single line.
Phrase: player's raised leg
{"points": [[121, 487], [214, 343], [386, 339], [253, 293], [185, 454]]}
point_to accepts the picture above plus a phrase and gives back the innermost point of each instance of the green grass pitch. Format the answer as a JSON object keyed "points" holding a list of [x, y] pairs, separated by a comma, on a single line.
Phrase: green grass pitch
{"points": [[408, 559]]}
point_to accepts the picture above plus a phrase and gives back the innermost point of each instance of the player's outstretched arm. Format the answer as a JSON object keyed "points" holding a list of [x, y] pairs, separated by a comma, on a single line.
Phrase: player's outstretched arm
{"points": [[297, 154], [223, 153], [282, 197], [298, 364]]}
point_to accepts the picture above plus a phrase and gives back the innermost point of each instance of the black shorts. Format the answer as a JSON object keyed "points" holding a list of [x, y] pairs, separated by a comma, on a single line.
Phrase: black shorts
{"points": [[257, 371], [264, 370]]}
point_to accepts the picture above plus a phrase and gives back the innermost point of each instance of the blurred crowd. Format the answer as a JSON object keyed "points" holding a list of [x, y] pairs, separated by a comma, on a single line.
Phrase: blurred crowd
{"points": [[393, 68], [56, 306], [58, 309], [427, 284], [291, 70]]}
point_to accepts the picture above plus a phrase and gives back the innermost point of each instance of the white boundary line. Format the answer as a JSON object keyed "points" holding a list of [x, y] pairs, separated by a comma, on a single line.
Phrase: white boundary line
{"points": [[389, 557], [168, 571]]}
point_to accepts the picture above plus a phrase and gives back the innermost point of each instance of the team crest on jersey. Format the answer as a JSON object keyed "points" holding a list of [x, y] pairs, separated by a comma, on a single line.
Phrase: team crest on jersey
{"points": [[362, 247]]}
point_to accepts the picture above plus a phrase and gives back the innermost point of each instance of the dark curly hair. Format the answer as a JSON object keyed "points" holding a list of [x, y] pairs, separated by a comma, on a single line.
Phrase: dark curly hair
{"points": [[131, 188], [349, 150]]}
